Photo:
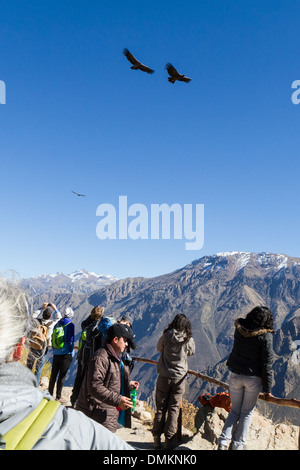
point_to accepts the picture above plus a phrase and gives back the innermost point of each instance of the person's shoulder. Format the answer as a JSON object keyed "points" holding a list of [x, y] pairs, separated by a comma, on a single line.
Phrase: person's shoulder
{"points": [[268, 337], [100, 354], [86, 322]]}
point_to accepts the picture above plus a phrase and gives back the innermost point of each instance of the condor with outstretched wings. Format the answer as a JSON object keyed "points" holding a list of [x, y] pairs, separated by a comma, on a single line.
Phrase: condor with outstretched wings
{"points": [[136, 65], [174, 75], [78, 194]]}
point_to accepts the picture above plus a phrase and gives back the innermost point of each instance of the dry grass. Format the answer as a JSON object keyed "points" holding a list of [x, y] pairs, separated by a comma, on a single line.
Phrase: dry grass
{"points": [[189, 412]]}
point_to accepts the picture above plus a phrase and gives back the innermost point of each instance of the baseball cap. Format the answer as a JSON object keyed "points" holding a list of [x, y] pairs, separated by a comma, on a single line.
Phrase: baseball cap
{"points": [[119, 330]]}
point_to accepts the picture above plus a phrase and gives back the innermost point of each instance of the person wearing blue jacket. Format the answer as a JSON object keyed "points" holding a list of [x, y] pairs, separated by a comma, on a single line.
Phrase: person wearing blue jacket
{"points": [[62, 357]]}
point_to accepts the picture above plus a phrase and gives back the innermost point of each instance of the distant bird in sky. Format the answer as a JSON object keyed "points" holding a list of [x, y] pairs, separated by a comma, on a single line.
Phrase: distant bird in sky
{"points": [[174, 75], [136, 65], [78, 194]]}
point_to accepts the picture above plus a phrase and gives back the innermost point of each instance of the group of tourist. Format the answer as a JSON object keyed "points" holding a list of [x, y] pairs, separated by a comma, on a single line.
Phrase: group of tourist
{"points": [[101, 395]]}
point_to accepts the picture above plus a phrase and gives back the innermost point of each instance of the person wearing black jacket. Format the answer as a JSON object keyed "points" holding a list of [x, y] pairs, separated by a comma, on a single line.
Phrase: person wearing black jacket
{"points": [[91, 340], [250, 363]]}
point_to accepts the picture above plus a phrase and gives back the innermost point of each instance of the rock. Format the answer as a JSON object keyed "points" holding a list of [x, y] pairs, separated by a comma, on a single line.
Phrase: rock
{"points": [[141, 414], [263, 434], [44, 383], [139, 435]]}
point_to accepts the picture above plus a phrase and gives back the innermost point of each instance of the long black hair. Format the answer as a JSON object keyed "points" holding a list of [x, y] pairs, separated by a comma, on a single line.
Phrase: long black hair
{"points": [[181, 323], [259, 317]]}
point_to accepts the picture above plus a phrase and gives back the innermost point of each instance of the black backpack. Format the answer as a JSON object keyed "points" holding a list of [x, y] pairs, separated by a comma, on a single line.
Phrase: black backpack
{"points": [[92, 342]]}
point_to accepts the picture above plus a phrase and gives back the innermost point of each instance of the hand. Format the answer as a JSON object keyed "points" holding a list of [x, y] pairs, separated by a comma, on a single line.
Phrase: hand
{"points": [[125, 403], [134, 384], [44, 305], [268, 395]]}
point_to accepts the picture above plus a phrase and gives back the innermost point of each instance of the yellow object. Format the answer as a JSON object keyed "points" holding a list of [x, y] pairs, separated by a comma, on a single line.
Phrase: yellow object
{"points": [[25, 434]]}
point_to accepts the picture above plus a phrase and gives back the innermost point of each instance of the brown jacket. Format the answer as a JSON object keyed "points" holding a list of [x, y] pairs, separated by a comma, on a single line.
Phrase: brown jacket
{"points": [[100, 393]]}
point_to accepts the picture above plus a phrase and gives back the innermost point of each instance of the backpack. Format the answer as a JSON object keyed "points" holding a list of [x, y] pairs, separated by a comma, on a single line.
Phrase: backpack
{"points": [[220, 400], [26, 434], [82, 340], [38, 337], [91, 342], [58, 336], [105, 323]]}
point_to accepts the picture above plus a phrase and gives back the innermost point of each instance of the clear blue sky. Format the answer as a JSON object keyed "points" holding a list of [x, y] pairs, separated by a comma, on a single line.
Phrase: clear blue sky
{"points": [[78, 118]]}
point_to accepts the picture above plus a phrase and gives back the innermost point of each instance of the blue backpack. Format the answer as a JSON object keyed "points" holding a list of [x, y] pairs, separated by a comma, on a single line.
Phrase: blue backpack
{"points": [[105, 323]]}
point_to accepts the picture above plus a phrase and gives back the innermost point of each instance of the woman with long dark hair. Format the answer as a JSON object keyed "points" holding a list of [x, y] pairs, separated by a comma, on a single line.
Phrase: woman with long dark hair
{"points": [[175, 345], [250, 363]]}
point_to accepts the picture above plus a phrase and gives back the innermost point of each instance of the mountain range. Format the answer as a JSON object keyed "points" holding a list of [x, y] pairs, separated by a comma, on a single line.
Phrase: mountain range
{"points": [[212, 291], [80, 281]]}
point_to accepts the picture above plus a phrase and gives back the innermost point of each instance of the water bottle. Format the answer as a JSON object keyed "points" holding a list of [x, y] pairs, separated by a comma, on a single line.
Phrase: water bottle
{"points": [[133, 398]]}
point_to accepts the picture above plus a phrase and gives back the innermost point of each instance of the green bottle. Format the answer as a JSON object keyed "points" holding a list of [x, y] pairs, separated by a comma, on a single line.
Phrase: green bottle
{"points": [[133, 398]]}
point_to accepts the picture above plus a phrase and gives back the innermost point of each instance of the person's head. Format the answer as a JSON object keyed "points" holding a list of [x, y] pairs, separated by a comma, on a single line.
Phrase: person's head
{"points": [[14, 321], [118, 336], [47, 313], [97, 313], [69, 313], [126, 319], [182, 324], [260, 317]]}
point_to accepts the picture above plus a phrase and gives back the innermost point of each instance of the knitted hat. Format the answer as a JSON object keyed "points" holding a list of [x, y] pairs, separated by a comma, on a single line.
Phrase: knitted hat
{"points": [[127, 318], [69, 313]]}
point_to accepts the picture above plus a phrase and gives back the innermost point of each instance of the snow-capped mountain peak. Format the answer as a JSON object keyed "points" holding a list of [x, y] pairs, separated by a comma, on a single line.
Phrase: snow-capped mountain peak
{"points": [[81, 280]]}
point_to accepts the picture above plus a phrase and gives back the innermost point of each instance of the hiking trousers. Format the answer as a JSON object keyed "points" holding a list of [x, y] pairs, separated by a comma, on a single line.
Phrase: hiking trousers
{"points": [[60, 367], [168, 396]]}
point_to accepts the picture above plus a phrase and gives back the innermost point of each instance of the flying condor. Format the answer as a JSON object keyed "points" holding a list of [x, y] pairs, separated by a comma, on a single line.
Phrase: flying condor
{"points": [[174, 75], [136, 65]]}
